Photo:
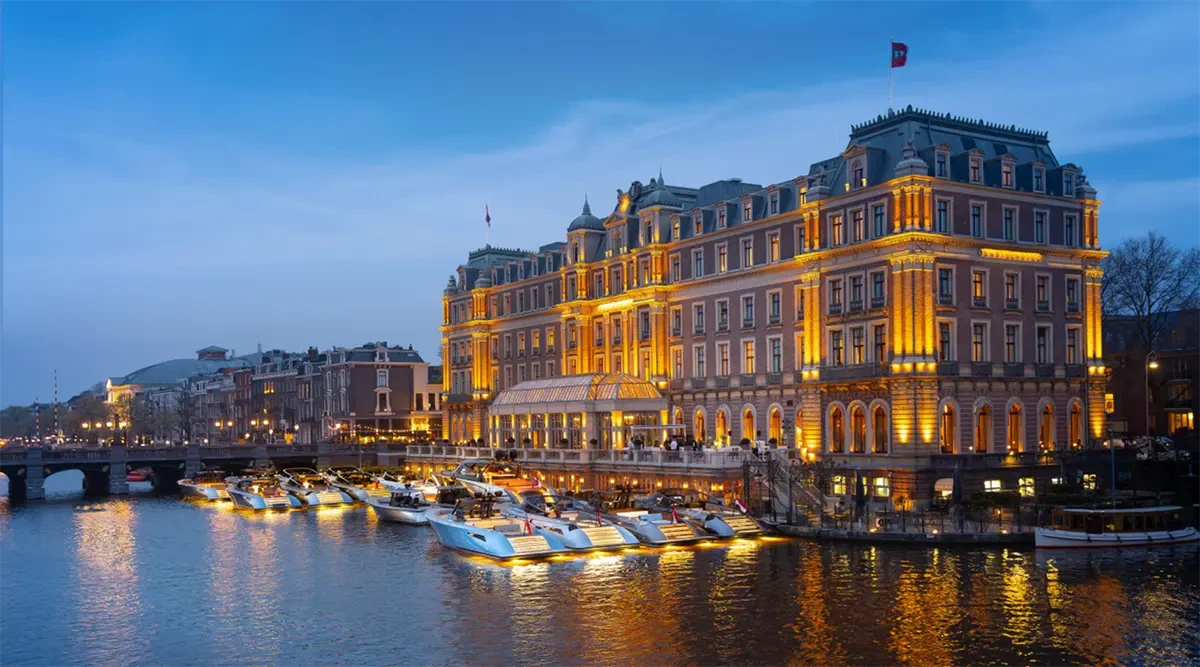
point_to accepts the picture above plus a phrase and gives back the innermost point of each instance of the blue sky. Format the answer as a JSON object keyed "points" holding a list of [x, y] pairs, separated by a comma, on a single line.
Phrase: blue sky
{"points": [[184, 174]]}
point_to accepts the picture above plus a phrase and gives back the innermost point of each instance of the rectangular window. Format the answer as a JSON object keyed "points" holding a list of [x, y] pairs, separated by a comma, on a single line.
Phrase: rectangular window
{"points": [[1043, 345], [945, 286], [940, 165], [697, 263], [883, 487], [1010, 224], [856, 292], [773, 247], [1069, 231], [381, 378], [698, 224], [776, 355], [723, 359], [943, 216], [880, 343], [1006, 175], [1068, 185], [521, 344], [837, 486], [675, 268], [799, 304], [1039, 180], [835, 234], [976, 221], [774, 204], [992, 485], [857, 231], [877, 289], [880, 223], [835, 294], [722, 315], [698, 318], [747, 356], [945, 351], [858, 350], [747, 253], [1025, 487], [1072, 346], [978, 336], [722, 259], [698, 361], [747, 311], [676, 321], [800, 246], [776, 305], [675, 230], [835, 347], [1039, 227], [676, 363], [1073, 295], [974, 171], [1011, 300], [977, 288], [1011, 336], [747, 212], [721, 217], [1043, 293]]}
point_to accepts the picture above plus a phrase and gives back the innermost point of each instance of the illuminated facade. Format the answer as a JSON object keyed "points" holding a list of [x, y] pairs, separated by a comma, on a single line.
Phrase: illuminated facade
{"points": [[932, 290]]}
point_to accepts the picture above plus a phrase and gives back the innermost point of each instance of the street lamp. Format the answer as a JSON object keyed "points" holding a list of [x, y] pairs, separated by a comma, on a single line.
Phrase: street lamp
{"points": [[1151, 364]]}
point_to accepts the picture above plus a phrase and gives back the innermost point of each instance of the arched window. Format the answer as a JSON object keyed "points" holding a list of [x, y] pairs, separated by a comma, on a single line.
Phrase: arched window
{"points": [[837, 431], [678, 415], [698, 429], [879, 422], [983, 430], [858, 430], [1014, 428], [748, 424], [1075, 426], [722, 425], [775, 425], [1046, 429], [947, 430], [468, 430]]}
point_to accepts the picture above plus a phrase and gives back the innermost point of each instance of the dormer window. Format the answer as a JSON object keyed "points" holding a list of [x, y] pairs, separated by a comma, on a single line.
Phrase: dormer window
{"points": [[975, 169], [521, 272], [698, 224], [1039, 179], [647, 237], [939, 168], [747, 212], [1006, 174], [675, 230], [721, 218], [859, 181], [1068, 184], [774, 203]]}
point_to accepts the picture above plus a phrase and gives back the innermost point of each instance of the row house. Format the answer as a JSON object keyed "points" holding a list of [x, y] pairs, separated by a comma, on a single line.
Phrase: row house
{"points": [[375, 391], [932, 290]]}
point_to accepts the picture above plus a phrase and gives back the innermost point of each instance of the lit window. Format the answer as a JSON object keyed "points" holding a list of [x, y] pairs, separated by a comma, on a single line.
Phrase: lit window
{"points": [[1025, 487], [838, 485], [773, 247], [747, 253], [1006, 174], [835, 348], [992, 485], [1089, 482], [974, 170], [836, 232], [722, 259], [721, 217], [940, 165], [748, 356], [883, 487], [747, 212]]}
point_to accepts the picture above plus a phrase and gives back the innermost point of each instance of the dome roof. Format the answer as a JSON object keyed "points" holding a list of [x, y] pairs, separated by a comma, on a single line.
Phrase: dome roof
{"points": [[659, 195], [586, 220]]}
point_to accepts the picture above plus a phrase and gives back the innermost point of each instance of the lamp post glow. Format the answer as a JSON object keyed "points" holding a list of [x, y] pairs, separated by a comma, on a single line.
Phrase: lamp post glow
{"points": [[1151, 364]]}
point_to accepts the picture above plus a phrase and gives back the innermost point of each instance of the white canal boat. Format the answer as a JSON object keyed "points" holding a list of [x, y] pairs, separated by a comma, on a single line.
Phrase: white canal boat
{"points": [[1094, 529]]}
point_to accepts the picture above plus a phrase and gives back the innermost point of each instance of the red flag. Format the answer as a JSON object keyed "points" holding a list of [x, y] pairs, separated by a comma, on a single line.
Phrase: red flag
{"points": [[740, 506], [899, 54], [487, 215], [528, 526], [674, 515]]}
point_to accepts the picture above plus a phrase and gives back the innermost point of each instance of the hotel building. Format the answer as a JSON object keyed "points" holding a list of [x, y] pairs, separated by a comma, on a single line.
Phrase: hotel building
{"points": [[928, 299]]}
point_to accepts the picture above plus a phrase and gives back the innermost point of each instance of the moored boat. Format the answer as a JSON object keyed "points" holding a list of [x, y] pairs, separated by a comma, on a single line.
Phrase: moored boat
{"points": [[499, 477], [405, 506], [1105, 528], [310, 488], [259, 492], [473, 526], [355, 483], [653, 526], [717, 519], [205, 485], [579, 525]]}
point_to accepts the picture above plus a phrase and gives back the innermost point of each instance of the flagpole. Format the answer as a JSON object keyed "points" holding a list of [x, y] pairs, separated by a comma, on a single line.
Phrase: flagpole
{"points": [[891, 56]]}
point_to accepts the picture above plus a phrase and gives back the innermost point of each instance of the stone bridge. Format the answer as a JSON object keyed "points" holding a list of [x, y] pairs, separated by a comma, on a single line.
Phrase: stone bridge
{"points": [[104, 468]]}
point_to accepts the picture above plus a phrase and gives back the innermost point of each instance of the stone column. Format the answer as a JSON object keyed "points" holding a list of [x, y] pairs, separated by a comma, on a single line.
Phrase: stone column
{"points": [[261, 459], [117, 483], [35, 475], [193, 463]]}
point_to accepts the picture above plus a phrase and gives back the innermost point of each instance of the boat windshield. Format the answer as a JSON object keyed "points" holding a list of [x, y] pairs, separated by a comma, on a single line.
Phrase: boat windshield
{"points": [[355, 477], [449, 495], [1119, 521]]}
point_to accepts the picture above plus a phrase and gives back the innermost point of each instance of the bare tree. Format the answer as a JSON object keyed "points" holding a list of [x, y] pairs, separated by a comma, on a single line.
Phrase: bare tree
{"points": [[1146, 279], [185, 414]]}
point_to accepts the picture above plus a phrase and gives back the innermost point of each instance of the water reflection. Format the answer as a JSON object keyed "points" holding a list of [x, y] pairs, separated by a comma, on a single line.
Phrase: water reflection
{"points": [[157, 581]]}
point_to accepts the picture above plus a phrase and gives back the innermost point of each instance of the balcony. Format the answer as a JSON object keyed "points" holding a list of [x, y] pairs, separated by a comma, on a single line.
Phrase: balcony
{"points": [[979, 302], [1014, 369], [949, 368], [945, 299], [1043, 306], [600, 341], [981, 369], [835, 308], [1044, 370], [723, 325], [774, 319], [722, 381], [1072, 306], [1012, 304], [774, 378], [855, 372], [856, 305], [571, 344], [1076, 371], [748, 323], [878, 302], [675, 331], [549, 349], [698, 330], [746, 380]]}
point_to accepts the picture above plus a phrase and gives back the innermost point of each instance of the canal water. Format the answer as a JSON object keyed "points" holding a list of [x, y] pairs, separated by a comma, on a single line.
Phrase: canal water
{"points": [[143, 580]]}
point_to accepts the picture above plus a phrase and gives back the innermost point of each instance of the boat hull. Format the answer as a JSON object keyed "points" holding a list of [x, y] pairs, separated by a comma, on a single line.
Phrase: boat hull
{"points": [[202, 491], [251, 501], [660, 532], [322, 498], [413, 516], [493, 544], [1048, 538], [581, 537]]}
